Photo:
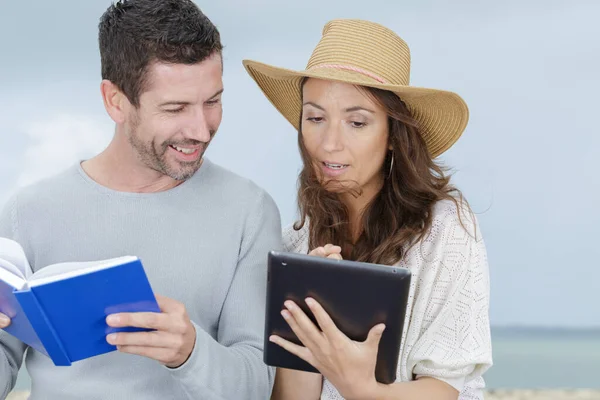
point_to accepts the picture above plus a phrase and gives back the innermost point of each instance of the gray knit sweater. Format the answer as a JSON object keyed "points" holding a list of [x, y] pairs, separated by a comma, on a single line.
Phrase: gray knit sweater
{"points": [[203, 243]]}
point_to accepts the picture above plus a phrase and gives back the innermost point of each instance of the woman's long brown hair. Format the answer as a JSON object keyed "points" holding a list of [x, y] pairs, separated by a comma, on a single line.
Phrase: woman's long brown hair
{"points": [[401, 212]]}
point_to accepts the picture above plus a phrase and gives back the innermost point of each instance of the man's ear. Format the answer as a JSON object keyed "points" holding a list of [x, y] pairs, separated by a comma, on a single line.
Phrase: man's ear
{"points": [[115, 101]]}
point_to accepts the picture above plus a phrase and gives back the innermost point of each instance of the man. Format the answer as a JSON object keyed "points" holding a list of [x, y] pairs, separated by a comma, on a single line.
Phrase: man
{"points": [[202, 232]]}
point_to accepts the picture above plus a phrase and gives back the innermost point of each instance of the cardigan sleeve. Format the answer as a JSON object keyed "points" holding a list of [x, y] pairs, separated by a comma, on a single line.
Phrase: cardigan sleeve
{"points": [[295, 241], [454, 344]]}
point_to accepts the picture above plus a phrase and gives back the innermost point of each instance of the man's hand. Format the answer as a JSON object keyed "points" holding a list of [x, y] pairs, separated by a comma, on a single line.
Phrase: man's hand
{"points": [[172, 340], [4, 321]]}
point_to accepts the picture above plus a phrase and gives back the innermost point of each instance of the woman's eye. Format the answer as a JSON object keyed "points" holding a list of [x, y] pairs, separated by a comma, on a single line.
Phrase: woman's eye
{"points": [[315, 119], [356, 124]]}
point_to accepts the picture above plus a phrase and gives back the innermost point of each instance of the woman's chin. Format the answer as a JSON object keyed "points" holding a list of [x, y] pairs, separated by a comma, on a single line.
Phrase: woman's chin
{"points": [[338, 186]]}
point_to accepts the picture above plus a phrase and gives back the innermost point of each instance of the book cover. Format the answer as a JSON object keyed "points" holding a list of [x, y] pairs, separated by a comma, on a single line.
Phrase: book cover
{"points": [[20, 326], [63, 315]]}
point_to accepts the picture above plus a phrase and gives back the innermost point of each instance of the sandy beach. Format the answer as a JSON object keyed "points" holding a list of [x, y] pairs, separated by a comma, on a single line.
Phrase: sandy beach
{"points": [[508, 394], [17, 396], [505, 394]]}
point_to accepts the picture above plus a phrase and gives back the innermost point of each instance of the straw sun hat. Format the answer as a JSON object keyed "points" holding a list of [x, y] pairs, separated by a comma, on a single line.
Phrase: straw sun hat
{"points": [[365, 53]]}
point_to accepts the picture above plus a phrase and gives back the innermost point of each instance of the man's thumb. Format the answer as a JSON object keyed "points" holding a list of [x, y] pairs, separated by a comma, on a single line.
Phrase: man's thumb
{"points": [[4, 321]]}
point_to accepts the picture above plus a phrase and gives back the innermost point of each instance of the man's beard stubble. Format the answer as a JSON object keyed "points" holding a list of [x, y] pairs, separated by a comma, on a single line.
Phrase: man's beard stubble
{"points": [[154, 156]]}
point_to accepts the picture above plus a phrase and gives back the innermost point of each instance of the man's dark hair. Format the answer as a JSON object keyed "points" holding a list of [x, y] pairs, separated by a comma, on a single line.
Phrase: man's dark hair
{"points": [[135, 33]]}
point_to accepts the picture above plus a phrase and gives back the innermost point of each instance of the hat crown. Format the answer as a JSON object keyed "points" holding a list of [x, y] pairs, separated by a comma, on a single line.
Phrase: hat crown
{"points": [[367, 47]]}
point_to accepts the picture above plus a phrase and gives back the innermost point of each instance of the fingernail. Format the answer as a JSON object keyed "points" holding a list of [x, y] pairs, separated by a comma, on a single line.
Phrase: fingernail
{"points": [[111, 338], [289, 305], [112, 319], [310, 301], [285, 314], [4, 320], [272, 339], [381, 328]]}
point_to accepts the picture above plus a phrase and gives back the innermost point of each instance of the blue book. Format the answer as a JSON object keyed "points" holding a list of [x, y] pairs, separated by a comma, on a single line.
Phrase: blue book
{"points": [[61, 310]]}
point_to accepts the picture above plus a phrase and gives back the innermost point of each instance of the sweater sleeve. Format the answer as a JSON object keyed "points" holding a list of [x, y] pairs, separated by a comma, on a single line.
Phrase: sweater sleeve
{"points": [[232, 367], [11, 349], [454, 345]]}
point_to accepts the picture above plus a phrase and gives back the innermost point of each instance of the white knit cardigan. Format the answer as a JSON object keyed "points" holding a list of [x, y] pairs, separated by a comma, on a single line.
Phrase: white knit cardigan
{"points": [[447, 329]]}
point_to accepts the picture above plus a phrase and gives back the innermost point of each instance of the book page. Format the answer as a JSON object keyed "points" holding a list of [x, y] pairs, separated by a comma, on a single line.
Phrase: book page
{"points": [[13, 258], [11, 278], [57, 272]]}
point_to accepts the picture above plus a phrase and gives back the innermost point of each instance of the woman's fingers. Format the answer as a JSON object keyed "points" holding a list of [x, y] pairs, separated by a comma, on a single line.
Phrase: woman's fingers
{"points": [[327, 251]]}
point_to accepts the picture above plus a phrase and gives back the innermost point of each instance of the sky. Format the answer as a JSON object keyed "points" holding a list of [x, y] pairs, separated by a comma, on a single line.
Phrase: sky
{"points": [[527, 69]]}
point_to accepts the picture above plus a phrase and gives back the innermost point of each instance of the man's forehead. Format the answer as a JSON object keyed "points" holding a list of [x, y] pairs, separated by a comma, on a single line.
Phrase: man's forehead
{"points": [[195, 79]]}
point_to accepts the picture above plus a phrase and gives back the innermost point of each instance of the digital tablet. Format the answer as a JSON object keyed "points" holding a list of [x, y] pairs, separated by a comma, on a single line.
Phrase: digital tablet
{"points": [[357, 296]]}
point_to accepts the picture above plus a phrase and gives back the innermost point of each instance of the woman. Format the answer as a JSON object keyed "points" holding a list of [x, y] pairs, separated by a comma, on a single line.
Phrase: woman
{"points": [[371, 191]]}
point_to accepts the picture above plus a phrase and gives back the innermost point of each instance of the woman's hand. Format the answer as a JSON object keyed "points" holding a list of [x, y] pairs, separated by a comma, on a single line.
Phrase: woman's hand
{"points": [[347, 364], [327, 251]]}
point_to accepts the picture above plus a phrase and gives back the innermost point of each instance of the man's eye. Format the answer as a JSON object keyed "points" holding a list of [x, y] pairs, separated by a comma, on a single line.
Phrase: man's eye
{"points": [[174, 110]]}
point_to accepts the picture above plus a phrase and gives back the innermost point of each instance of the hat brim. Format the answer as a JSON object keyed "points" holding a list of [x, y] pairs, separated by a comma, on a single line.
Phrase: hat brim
{"points": [[442, 115]]}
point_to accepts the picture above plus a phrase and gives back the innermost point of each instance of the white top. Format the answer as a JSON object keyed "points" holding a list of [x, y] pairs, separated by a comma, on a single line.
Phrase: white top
{"points": [[447, 334]]}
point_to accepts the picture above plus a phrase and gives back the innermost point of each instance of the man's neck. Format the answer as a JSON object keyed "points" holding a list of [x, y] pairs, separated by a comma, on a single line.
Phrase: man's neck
{"points": [[118, 168]]}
